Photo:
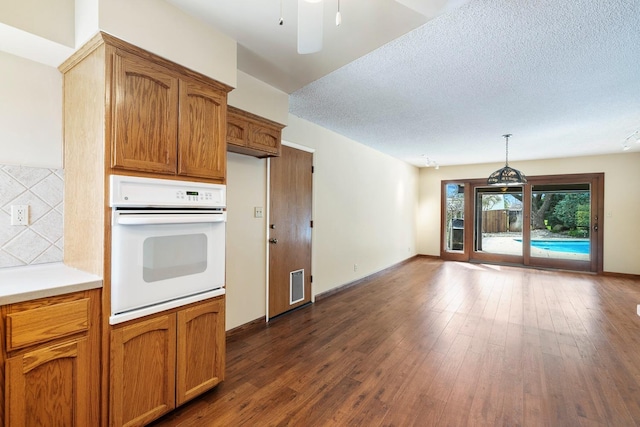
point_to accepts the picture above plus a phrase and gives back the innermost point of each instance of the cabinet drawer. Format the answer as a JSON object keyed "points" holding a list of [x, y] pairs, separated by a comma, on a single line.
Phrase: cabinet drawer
{"points": [[43, 324]]}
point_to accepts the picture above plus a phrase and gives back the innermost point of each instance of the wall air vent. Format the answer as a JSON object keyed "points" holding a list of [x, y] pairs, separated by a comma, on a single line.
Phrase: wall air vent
{"points": [[296, 286]]}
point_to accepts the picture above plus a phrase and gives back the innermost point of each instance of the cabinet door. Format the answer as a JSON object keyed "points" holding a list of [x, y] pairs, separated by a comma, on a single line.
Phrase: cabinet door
{"points": [[145, 116], [143, 371], [236, 130], [264, 139], [49, 386], [202, 131], [201, 349]]}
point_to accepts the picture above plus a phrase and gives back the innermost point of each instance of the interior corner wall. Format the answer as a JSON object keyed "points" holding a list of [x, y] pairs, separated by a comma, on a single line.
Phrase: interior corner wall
{"points": [[165, 30], [30, 113], [86, 20], [365, 206], [257, 97], [246, 240], [51, 19], [621, 201]]}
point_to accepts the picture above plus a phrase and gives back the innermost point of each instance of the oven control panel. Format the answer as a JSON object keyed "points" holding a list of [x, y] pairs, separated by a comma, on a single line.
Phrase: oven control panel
{"points": [[129, 191], [194, 196]]}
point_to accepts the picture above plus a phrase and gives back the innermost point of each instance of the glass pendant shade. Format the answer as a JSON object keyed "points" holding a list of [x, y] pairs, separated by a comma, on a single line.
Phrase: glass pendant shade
{"points": [[507, 176]]}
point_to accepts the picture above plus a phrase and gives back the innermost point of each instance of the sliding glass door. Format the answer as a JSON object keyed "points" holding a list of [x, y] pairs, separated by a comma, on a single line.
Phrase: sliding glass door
{"points": [[552, 222], [564, 224], [498, 224]]}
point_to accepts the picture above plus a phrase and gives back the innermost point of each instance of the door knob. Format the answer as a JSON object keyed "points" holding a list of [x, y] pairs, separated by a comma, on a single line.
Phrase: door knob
{"points": [[274, 241]]}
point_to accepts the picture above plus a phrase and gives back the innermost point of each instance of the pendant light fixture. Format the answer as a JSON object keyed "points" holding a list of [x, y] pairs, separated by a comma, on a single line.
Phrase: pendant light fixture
{"points": [[507, 176]]}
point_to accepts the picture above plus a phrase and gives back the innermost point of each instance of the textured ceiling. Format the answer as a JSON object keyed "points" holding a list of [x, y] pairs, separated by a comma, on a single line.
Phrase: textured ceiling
{"points": [[563, 76]]}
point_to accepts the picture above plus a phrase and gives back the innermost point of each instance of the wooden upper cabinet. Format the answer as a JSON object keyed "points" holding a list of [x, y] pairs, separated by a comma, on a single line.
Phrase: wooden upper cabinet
{"points": [[237, 130], [252, 135], [145, 121], [264, 138], [163, 119], [201, 141]]}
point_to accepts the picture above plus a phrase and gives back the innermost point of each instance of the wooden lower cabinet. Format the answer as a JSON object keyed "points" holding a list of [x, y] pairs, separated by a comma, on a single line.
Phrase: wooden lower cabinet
{"points": [[143, 363], [201, 349], [159, 363], [50, 352], [49, 386]]}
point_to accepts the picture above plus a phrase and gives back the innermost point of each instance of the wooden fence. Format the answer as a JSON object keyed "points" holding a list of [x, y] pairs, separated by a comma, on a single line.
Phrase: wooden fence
{"points": [[495, 221], [501, 221]]}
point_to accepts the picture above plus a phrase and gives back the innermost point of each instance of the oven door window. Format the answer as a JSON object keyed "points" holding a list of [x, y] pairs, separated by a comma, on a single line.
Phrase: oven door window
{"points": [[168, 257]]}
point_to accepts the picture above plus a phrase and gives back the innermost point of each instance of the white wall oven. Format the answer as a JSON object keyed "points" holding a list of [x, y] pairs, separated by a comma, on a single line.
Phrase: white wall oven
{"points": [[167, 244]]}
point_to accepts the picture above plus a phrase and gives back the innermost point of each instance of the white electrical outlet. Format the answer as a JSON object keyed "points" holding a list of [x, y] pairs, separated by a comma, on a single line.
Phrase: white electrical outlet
{"points": [[258, 212], [355, 267], [19, 214]]}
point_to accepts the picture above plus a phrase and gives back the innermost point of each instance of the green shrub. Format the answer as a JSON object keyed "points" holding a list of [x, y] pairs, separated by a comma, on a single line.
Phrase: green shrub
{"points": [[581, 232]]}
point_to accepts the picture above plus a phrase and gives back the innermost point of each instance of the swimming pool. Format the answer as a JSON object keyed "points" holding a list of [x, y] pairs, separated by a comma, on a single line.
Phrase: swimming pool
{"points": [[569, 246]]}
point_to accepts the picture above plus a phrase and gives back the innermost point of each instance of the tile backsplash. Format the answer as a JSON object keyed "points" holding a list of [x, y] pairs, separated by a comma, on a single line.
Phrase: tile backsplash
{"points": [[40, 241]]}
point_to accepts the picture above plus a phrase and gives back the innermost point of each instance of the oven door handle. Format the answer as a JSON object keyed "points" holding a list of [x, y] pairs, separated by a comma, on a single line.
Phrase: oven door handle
{"points": [[139, 219]]}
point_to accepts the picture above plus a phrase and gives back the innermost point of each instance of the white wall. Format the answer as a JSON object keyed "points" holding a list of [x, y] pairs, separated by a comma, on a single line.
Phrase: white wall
{"points": [[30, 113], [365, 206], [165, 30], [246, 239], [86, 20], [259, 98], [50, 19], [621, 201]]}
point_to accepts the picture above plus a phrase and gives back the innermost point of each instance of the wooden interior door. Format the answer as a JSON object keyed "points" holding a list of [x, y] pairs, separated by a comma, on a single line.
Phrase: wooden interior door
{"points": [[290, 230]]}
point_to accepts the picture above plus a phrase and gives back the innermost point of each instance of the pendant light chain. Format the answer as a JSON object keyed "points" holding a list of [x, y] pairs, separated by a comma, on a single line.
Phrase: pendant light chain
{"points": [[506, 137]]}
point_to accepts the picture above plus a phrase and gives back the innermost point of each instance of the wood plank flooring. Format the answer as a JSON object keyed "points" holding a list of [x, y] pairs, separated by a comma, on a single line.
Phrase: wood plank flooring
{"points": [[440, 343]]}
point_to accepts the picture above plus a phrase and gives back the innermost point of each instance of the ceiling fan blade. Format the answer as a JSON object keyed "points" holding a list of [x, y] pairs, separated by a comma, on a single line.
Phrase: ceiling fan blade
{"points": [[310, 22]]}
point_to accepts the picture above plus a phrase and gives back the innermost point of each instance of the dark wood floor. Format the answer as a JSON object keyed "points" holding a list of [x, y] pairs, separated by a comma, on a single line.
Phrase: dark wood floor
{"points": [[440, 343]]}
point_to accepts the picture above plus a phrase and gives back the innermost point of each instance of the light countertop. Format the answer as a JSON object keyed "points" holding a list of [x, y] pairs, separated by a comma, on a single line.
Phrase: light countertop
{"points": [[19, 284]]}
